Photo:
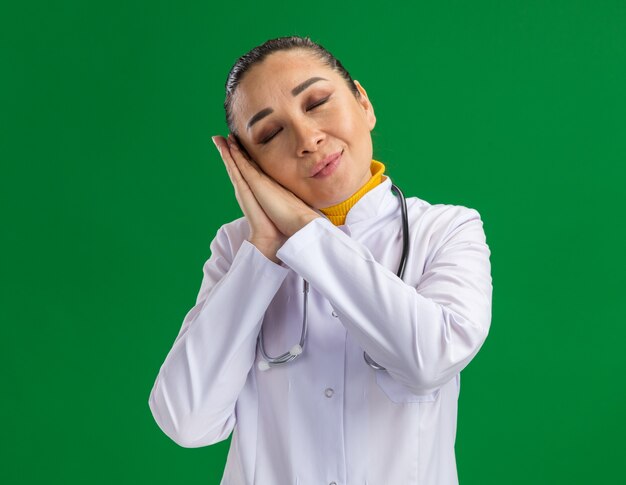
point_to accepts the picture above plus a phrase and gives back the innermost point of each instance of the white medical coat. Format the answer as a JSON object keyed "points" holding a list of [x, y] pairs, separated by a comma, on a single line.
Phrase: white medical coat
{"points": [[328, 417]]}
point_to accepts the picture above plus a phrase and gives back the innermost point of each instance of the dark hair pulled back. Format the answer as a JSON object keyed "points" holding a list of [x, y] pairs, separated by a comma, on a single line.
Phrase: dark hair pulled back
{"points": [[259, 53]]}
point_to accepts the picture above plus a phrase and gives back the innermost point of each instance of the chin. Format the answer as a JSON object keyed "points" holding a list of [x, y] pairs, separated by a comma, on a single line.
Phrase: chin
{"points": [[331, 202], [334, 197]]}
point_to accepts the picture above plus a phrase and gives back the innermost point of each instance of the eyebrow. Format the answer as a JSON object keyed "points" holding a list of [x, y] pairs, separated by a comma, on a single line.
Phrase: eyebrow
{"points": [[294, 92]]}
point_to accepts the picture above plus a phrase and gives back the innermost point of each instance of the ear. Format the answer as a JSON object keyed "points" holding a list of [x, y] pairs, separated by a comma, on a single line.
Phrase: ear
{"points": [[365, 103]]}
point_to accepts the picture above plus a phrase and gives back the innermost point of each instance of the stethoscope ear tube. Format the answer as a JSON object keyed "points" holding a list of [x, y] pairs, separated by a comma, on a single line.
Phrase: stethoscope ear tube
{"points": [[405, 252], [297, 349], [405, 231]]}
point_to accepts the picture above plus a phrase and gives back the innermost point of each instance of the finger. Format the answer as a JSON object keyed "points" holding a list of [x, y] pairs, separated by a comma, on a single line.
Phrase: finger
{"points": [[251, 176], [247, 166], [243, 192], [231, 167], [219, 145], [252, 173], [222, 148]]}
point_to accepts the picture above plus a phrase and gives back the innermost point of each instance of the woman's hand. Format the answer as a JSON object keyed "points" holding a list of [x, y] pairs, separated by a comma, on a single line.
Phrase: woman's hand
{"points": [[273, 212], [263, 233]]}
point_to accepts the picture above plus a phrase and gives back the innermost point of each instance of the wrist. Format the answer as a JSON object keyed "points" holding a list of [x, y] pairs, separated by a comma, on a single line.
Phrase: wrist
{"points": [[268, 249], [304, 220]]}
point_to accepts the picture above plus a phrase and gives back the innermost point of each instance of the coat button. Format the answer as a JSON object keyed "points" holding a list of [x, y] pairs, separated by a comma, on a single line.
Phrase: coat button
{"points": [[332, 483], [334, 314], [329, 392]]}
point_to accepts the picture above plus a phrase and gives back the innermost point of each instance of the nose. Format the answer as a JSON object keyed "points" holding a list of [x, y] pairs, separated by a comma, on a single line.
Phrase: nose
{"points": [[308, 137]]}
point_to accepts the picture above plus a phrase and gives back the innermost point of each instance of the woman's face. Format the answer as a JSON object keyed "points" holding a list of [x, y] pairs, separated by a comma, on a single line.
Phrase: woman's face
{"points": [[293, 115]]}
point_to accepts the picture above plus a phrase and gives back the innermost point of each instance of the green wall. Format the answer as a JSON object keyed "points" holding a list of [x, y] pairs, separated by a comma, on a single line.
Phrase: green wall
{"points": [[111, 192]]}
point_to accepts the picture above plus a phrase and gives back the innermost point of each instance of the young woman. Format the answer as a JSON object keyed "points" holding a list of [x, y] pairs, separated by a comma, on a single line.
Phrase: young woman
{"points": [[331, 327]]}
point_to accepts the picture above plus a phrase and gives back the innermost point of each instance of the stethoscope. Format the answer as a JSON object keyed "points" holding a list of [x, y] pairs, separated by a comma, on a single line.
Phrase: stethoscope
{"points": [[297, 349]]}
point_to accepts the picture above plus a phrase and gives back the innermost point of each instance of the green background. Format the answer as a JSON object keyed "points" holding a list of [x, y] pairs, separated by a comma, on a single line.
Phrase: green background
{"points": [[111, 192]]}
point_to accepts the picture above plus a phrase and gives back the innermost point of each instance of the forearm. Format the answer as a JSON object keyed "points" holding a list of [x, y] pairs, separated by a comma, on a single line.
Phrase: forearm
{"points": [[195, 392], [423, 336]]}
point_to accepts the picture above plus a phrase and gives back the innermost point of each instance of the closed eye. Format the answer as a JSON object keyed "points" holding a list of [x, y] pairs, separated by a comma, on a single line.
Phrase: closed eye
{"points": [[309, 108], [266, 139], [318, 103]]}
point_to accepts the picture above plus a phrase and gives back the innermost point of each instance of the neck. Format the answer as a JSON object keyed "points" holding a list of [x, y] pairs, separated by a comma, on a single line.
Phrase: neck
{"points": [[337, 213]]}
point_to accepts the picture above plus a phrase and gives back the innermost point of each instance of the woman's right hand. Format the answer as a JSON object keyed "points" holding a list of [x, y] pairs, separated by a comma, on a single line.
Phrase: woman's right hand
{"points": [[263, 232]]}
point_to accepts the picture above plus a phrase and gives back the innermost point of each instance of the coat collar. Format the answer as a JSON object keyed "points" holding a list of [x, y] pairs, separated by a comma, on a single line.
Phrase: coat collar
{"points": [[374, 203]]}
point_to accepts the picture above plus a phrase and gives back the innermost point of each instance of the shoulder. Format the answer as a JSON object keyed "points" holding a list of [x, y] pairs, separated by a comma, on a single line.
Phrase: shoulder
{"points": [[229, 238], [440, 214], [444, 215], [437, 223]]}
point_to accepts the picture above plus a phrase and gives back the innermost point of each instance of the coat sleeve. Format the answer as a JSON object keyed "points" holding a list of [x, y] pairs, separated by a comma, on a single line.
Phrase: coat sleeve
{"points": [[424, 334], [195, 392]]}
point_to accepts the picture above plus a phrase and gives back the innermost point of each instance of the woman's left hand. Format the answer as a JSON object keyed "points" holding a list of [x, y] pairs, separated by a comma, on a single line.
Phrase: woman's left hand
{"points": [[287, 211]]}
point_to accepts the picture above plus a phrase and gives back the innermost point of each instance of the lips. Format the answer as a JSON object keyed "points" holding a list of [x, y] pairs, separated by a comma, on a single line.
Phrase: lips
{"points": [[319, 166]]}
